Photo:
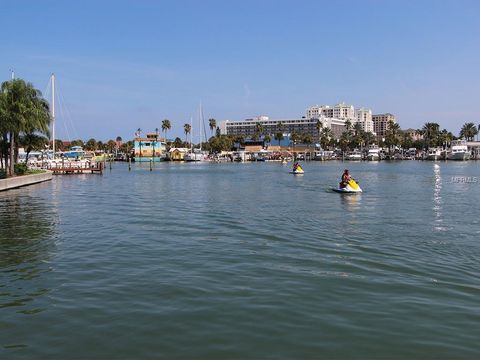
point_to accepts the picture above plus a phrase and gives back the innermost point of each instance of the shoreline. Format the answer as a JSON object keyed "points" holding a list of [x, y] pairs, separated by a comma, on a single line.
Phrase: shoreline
{"points": [[24, 180]]}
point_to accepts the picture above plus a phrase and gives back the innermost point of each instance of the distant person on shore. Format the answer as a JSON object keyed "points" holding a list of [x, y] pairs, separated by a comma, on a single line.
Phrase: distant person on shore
{"points": [[345, 179]]}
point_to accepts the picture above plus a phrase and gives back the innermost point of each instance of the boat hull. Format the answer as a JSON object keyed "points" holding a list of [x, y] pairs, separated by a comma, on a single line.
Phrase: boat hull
{"points": [[460, 156]]}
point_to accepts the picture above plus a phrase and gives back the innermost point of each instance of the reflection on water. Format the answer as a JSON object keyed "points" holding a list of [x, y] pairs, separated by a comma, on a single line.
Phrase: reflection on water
{"points": [[437, 199], [26, 243]]}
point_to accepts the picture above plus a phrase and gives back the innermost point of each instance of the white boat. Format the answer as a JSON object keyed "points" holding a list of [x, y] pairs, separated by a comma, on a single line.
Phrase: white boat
{"points": [[373, 153], [434, 154], [196, 155], [76, 152], [354, 156], [459, 151]]}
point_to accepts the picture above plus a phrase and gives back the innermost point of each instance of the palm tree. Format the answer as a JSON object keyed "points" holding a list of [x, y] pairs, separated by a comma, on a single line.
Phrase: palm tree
{"points": [[186, 129], [391, 135], [348, 125], [154, 142], [327, 135], [165, 127], [22, 110], [212, 123], [279, 137], [281, 127], [258, 129], [139, 132], [319, 126], [468, 131], [267, 139], [430, 131]]}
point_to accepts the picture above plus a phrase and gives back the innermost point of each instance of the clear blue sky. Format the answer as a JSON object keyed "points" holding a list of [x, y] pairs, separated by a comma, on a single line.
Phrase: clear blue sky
{"points": [[122, 65]]}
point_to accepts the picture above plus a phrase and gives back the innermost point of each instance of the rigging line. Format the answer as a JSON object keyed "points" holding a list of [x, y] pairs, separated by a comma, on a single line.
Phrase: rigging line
{"points": [[47, 90], [62, 111], [68, 114], [62, 114]]}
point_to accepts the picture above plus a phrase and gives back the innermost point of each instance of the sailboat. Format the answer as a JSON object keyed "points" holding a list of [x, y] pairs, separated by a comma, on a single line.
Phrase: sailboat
{"points": [[197, 154]]}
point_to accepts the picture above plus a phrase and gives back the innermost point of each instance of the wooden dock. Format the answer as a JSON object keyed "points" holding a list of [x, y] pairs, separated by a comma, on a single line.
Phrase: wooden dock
{"points": [[76, 168]]}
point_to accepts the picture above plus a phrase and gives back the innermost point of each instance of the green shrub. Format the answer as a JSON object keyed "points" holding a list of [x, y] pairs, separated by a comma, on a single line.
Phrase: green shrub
{"points": [[20, 169], [3, 174]]}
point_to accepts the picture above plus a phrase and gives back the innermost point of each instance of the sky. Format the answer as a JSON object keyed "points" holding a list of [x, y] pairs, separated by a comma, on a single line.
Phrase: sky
{"points": [[122, 65]]}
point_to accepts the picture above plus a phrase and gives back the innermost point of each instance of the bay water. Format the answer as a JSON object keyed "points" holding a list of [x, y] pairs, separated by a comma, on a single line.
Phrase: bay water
{"points": [[243, 261]]}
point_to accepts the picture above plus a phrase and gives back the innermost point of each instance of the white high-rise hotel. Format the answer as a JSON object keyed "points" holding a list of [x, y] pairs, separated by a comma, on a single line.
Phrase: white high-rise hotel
{"points": [[344, 112], [330, 117]]}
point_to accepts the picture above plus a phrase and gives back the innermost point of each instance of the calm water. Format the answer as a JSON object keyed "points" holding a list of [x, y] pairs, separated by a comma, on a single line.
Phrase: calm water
{"points": [[243, 261]]}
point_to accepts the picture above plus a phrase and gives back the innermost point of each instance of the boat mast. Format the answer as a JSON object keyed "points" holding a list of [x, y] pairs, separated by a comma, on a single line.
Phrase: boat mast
{"points": [[53, 115], [200, 126], [191, 134]]}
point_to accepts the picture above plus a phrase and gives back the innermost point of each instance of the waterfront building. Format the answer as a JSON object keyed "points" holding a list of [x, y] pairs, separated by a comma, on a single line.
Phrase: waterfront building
{"points": [[364, 118], [148, 148], [341, 111], [178, 154], [250, 127], [344, 111], [318, 111], [380, 123]]}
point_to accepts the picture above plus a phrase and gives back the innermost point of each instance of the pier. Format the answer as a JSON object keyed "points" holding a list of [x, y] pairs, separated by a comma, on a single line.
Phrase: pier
{"points": [[69, 168]]}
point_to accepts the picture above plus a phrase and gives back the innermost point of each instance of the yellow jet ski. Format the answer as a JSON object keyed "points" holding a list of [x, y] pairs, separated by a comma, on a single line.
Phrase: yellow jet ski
{"points": [[297, 171], [352, 187]]}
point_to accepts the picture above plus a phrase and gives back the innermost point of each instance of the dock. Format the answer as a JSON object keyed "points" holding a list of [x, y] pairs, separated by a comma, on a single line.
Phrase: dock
{"points": [[69, 168]]}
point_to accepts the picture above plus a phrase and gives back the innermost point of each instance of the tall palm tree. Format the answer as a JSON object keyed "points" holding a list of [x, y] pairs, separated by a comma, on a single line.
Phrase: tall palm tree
{"points": [[166, 126], [391, 135], [139, 132], [22, 110], [154, 142], [187, 128], [258, 129], [468, 131], [319, 126], [348, 125], [279, 137], [281, 127], [327, 135], [430, 132], [212, 123]]}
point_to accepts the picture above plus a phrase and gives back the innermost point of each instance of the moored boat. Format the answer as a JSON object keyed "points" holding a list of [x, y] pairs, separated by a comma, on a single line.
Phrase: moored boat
{"points": [[459, 151], [373, 153], [434, 154]]}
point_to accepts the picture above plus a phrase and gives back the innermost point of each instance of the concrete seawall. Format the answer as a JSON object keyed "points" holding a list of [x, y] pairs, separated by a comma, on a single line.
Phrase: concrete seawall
{"points": [[19, 181]]}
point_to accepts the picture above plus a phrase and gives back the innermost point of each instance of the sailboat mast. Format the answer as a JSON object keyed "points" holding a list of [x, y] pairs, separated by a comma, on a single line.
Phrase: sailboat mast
{"points": [[53, 114], [191, 134], [200, 126]]}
